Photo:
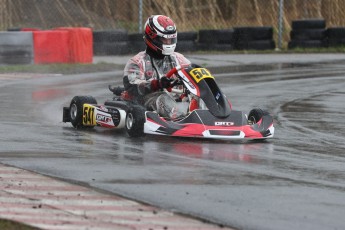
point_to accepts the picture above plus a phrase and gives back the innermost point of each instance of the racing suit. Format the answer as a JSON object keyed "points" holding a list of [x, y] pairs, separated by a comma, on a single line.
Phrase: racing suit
{"points": [[141, 80]]}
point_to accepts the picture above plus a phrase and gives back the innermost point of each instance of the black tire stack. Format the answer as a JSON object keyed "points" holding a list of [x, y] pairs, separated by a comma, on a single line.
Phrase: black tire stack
{"points": [[186, 41], [111, 42], [253, 38], [308, 33], [336, 36], [219, 40], [136, 43], [16, 48]]}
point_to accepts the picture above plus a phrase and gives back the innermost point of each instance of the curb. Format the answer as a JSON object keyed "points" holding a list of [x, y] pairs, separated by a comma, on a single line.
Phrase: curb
{"points": [[47, 203]]}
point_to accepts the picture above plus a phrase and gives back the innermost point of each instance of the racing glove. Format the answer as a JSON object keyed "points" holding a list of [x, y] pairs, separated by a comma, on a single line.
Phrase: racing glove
{"points": [[163, 83]]}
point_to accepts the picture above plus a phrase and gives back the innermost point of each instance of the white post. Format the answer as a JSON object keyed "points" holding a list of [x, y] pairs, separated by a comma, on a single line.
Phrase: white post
{"points": [[140, 16], [280, 24]]}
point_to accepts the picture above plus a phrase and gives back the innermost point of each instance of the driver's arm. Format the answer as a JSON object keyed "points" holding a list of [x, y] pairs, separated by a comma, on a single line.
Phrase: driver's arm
{"points": [[135, 82]]}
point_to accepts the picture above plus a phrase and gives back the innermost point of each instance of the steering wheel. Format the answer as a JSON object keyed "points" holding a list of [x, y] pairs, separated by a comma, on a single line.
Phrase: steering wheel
{"points": [[175, 69]]}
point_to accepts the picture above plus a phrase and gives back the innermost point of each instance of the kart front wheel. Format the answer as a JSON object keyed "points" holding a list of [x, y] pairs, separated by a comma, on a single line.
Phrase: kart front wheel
{"points": [[76, 109], [255, 115], [135, 120]]}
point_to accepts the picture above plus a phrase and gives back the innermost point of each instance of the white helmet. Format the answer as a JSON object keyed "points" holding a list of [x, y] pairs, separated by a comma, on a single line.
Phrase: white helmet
{"points": [[160, 34]]}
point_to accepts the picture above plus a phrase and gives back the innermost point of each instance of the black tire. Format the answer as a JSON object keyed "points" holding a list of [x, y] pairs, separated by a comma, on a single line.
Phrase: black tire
{"points": [[308, 24], [110, 36], [336, 42], [135, 120], [76, 109], [208, 36], [336, 33], [307, 44], [136, 37], [215, 47], [245, 34], [308, 34], [261, 45], [255, 115], [225, 36], [186, 46], [187, 36], [216, 36], [135, 47], [110, 48]]}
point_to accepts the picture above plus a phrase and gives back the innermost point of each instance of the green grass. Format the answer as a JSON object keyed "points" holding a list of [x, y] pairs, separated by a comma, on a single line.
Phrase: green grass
{"points": [[60, 68], [12, 225], [284, 50], [104, 67]]}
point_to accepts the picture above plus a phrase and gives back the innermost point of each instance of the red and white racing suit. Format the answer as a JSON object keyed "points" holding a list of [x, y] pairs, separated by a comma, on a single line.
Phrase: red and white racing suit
{"points": [[140, 79]]}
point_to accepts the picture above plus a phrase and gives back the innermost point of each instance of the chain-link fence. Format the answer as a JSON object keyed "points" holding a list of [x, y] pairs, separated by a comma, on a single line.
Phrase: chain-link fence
{"points": [[189, 15]]}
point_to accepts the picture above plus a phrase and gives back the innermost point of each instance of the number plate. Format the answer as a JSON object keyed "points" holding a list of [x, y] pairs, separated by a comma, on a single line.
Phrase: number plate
{"points": [[89, 118], [200, 73]]}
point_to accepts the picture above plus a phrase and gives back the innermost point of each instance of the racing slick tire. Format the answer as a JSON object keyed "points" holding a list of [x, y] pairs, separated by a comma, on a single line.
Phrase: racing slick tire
{"points": [[255, 115], [76, 109], [135, 120]]}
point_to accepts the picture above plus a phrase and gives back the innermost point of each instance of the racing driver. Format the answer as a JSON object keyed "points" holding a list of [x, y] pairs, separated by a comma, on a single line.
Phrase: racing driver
{"points": [[144, 75]]}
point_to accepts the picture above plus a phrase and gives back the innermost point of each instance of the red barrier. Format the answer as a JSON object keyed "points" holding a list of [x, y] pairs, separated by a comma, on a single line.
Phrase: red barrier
{"points": [[51, 46], [80, 44]]}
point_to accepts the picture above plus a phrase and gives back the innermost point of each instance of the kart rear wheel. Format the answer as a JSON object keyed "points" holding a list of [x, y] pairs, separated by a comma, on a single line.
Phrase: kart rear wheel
{"points": [[255, 115], [135, 120], [76, 109]]}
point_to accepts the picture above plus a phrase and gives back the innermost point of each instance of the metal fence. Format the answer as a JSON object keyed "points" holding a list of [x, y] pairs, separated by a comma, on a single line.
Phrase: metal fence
{"points": [[189, 15]]}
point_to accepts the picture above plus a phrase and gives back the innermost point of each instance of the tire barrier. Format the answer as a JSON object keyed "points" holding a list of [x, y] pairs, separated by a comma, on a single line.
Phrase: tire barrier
{"points": [[308, 24], [309, 33], [187, 41], [136, 43], [59, 45], [253, 38], [16, 48], [336, 36], [51, 46], [80, 44], [219, 40], [110, 42], [63, 45]]}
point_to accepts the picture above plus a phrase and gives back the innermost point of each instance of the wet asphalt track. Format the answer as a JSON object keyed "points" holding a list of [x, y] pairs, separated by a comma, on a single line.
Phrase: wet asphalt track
{"points": [[294, 181]]}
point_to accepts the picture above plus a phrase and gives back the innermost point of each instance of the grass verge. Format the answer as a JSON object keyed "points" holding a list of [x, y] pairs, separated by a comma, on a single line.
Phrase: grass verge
{"points": [[104, 67], [60, 68], [12, 225]]}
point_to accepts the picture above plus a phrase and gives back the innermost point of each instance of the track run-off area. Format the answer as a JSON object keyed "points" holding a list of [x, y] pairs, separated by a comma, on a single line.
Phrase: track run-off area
{"points": [[53, 176]]}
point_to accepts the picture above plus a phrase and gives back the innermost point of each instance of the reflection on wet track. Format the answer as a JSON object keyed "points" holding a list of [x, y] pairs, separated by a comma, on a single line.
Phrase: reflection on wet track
{"points": [[294, 181]]}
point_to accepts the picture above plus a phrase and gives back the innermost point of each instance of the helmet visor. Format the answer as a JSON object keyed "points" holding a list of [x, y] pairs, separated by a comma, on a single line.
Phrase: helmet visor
{"points": [[168, 41]]}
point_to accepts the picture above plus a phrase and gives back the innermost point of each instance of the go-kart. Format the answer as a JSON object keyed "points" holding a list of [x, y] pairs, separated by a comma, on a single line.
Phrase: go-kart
{"points": [[213, 117]]}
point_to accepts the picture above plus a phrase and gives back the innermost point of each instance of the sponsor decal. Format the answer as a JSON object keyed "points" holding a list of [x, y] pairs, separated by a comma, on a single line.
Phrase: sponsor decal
{"points": [[224, 123], [115, 115], [191, 85], [171, 36], [170, 28], [103, 118], [217, 96]]}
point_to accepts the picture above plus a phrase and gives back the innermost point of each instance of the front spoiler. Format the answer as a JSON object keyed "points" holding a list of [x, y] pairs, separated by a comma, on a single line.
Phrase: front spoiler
{"points": [[202, 124]]}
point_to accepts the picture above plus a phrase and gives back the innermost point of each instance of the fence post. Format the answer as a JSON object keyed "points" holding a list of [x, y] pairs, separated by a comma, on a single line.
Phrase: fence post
{"points": [[280, 24], [140, 16]]}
